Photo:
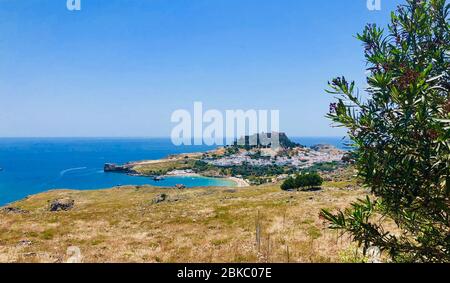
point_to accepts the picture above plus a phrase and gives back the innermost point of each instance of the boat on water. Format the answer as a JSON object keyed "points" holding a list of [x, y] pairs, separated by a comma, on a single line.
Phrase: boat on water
{"points": [[158, 178]]}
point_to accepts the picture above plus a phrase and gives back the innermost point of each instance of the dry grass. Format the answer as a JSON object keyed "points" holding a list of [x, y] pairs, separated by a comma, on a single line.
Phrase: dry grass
{"points": [[164, 166], [195, 225]]}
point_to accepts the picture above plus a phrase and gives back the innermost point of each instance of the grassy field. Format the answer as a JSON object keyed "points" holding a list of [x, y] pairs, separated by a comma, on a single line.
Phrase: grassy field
{"points": [[195, 225]]}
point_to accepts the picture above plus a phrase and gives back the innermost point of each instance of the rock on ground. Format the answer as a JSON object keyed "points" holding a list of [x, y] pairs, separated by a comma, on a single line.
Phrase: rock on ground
{"points": [[62, 204], [10, 209], [160, 198]]}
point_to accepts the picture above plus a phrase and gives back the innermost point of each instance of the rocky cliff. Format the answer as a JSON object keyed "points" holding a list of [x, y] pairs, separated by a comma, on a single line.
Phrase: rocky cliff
{"points": [[114, 168]]}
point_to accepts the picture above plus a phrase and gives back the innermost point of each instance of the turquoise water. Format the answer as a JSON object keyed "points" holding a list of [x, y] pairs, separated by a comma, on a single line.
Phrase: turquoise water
{"points": [[35, 165]]}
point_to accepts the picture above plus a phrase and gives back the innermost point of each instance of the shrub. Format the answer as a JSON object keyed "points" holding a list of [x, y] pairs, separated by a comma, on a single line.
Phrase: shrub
{"points": [[302, 181], [401, 135], [309, 180], [288, 184]]}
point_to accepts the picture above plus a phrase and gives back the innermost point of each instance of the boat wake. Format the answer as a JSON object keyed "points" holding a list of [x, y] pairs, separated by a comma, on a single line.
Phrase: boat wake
{"points": [[64, 172]]}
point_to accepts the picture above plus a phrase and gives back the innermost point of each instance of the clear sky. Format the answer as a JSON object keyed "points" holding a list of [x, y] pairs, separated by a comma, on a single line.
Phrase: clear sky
{"points": [[121, 67]]}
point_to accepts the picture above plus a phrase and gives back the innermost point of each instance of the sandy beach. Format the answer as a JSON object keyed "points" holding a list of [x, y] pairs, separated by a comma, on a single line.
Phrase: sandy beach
{"points": [[240, 183]]}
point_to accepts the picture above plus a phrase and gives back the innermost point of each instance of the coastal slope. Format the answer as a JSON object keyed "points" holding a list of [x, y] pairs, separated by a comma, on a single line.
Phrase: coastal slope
{"points": [[146, 224]]}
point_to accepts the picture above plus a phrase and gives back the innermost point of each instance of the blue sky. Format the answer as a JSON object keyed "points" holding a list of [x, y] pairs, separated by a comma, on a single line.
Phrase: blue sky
{"points": [[121, 67]]}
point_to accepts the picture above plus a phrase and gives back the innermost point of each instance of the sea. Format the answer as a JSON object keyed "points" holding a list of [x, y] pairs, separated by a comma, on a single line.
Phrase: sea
{"points": [[35, 165]]}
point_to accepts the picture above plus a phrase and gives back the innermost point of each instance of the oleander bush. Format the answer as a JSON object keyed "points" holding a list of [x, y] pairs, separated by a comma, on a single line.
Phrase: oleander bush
{"points": [[400, 129]]}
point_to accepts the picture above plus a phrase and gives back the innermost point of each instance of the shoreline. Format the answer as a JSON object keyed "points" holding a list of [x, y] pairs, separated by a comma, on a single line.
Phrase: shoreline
{"points": [[184, 164], [128, 168], [239, 182]]}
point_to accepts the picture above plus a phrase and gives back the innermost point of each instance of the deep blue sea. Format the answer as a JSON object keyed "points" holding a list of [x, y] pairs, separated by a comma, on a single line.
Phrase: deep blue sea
{"points": [[34, 165]]}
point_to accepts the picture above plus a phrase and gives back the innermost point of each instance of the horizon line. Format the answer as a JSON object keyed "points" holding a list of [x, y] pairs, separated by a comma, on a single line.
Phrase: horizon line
{"points": [[141, 137]]}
